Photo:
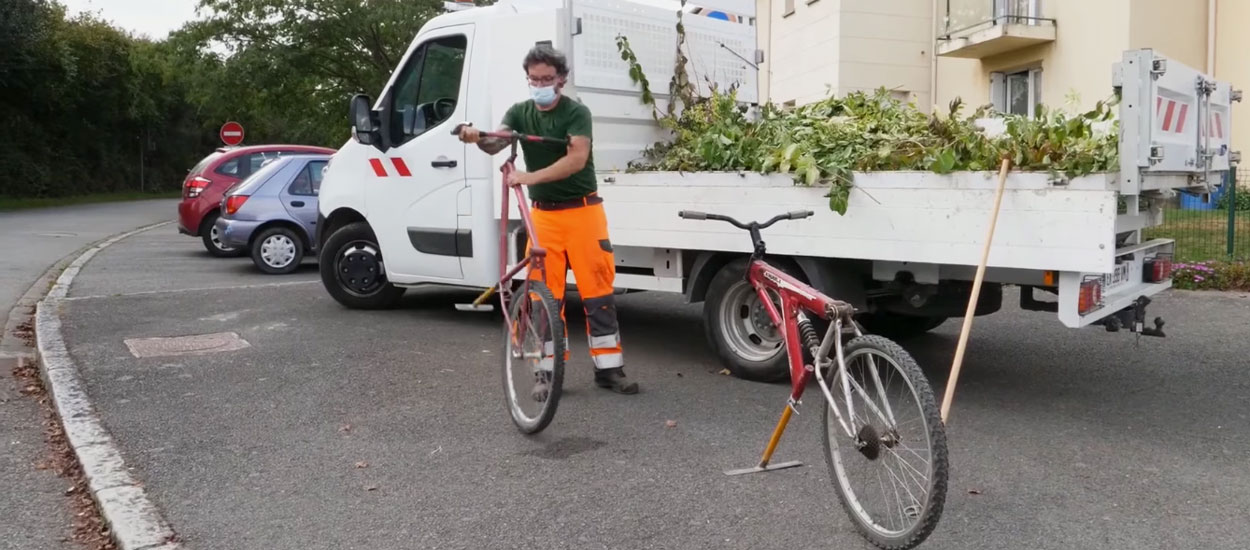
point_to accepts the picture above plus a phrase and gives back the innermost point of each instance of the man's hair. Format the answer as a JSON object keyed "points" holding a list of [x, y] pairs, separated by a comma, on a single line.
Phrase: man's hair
{"points": [[546, 55]]}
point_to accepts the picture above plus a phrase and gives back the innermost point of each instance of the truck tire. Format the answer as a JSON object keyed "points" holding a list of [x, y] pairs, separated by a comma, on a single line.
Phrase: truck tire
{"points": [[898, 326], [352, 270], [739, 329]]}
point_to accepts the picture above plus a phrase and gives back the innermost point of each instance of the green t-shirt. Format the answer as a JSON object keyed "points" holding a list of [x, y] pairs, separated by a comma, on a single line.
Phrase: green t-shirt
{"points": [[568, 118]]}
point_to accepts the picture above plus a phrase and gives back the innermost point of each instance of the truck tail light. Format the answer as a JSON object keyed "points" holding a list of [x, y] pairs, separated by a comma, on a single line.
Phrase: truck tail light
{"points": [[1157, 269], [196, 185], [1091, 296], [234, 203]]}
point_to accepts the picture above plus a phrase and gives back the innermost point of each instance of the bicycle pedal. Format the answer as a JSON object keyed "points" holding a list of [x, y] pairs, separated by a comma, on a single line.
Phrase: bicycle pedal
{"points": [[484, 308]]}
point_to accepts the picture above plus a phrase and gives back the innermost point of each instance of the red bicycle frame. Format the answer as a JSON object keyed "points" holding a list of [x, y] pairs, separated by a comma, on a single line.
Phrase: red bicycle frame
{"points": [[796, 297], [534, 257]]}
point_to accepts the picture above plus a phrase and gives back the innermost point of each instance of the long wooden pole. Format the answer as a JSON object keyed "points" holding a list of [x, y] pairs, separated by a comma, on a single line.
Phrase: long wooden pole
{"points": [[976, 292]]}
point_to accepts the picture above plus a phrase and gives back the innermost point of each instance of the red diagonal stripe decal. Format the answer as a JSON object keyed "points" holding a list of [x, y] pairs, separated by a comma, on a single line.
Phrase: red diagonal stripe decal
{"points": [[400, 167], [1158, 104], [1219, 127], [1167, 116], [378, 169], [1180, 122]]}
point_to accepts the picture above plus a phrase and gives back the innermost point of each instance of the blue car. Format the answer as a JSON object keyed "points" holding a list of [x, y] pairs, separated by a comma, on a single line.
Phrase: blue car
{"points": [[273, 213]]}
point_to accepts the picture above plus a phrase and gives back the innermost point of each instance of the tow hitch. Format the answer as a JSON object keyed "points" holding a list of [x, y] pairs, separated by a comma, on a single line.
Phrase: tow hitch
{"points": [[1134, 317]]}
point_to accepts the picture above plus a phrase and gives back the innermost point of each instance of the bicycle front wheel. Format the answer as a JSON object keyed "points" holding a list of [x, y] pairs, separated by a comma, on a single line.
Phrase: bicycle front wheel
{"points": [[533, 361], [891, 476]]}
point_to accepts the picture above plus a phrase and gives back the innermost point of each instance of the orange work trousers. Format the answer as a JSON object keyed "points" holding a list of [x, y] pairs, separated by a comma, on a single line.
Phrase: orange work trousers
{"points": [[577, 237]]}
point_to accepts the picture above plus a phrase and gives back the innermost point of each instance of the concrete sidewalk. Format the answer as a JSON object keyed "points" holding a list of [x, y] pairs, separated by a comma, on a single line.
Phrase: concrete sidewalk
{"points": [[33, 503]]}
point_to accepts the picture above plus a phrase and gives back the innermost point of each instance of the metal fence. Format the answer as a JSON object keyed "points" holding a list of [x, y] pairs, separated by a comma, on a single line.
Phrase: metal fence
{"points": [[1209, 226]]}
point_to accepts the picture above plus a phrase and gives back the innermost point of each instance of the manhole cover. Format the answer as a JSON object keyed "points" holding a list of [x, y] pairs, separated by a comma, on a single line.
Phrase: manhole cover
{"points": [[199, 344]]}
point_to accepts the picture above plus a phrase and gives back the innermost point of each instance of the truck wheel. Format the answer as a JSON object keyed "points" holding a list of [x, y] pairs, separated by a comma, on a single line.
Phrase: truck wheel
{"points": [[738, 327], [212, 239], [898, 326], [352, 270]]}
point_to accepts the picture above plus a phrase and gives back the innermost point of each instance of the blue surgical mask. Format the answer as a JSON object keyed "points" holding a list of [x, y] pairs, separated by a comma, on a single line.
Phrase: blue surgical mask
{"points": [[544, 96]]}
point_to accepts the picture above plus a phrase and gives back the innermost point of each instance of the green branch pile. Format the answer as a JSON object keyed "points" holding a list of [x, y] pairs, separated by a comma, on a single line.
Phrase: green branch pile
{"points": [[825, 142]]}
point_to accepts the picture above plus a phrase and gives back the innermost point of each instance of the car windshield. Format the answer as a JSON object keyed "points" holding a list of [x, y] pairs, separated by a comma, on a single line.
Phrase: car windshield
{"points": [[249, 184]]}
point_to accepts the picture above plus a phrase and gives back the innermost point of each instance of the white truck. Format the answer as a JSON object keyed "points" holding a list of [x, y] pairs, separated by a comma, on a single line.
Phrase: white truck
{"points": [[404, 203]]}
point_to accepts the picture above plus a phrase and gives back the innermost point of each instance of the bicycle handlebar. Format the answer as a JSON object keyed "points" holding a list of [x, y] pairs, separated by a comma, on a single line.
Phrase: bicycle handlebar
{"points": [[513, 136], [793, 215]]}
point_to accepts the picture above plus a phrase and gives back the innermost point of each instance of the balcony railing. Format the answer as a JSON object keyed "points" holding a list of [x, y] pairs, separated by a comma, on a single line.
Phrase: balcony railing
{"points": [[980, 28]]}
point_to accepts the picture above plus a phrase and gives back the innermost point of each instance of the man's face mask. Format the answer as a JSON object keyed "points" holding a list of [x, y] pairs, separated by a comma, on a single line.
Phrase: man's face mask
{"points": [[543, 88]]}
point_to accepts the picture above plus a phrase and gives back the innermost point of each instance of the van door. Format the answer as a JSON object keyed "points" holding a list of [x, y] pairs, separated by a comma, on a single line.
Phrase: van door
{"points": [[412, 198]]}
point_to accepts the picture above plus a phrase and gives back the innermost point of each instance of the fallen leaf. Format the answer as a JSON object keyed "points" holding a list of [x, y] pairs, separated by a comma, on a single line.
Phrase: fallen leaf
{"points": [[362, 464], [724, 372], [679, 375], [371, 487], [345, 428], [671, 423], [974, 491]]}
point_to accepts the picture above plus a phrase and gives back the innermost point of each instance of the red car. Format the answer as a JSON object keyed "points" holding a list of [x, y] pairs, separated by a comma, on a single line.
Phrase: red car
{"points": [[208, 181]]}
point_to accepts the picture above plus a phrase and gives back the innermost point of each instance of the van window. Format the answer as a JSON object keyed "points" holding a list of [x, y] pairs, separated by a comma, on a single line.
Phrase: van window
{"points": [[428, 89]]}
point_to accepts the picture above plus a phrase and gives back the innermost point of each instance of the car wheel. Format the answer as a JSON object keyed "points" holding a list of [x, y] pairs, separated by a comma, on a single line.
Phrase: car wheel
{"points": [[277, 251], [352, 270], [212, 238]]}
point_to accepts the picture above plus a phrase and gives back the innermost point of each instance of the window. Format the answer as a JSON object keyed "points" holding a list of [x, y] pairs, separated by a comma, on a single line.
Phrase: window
{"points": [[308, 182], [428, 89], [256, 160], [1017, 92], [229, 168]]}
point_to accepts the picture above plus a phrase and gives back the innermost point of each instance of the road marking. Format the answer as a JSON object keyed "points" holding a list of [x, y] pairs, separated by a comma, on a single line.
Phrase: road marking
{"points": [[182, 290]]}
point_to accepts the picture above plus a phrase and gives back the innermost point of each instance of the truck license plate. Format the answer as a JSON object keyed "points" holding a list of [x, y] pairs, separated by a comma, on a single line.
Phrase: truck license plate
{"points": [[1119, 276]]}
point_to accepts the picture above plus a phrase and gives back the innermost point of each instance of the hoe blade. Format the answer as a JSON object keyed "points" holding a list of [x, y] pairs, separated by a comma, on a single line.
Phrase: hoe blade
{"points": [[767, 468]]}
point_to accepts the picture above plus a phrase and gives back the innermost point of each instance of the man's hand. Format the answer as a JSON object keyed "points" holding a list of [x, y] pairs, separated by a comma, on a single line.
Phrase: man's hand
{"points": [[469, 134], [524, 178]]}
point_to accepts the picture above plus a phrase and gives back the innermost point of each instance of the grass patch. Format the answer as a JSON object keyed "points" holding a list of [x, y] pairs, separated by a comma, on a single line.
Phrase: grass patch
{"points": [[16, 203], [1202, 235]]}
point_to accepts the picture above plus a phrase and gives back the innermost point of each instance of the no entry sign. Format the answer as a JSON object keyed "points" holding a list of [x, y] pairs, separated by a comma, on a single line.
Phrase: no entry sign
{"points": [[232, 133]]}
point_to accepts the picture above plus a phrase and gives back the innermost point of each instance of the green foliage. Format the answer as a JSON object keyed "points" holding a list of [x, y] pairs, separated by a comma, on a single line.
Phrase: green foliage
{"points": [[826, 142], [81, 103], [1242, 201]]}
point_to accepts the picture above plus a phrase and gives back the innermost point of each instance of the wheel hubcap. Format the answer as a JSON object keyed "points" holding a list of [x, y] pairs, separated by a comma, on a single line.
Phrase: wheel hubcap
{"points": [[214, 235], [278, 251], [360, 268]]}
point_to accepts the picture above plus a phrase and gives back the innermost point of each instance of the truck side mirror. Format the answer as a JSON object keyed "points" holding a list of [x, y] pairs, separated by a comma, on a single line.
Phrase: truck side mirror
{"points": [[366, 130]]}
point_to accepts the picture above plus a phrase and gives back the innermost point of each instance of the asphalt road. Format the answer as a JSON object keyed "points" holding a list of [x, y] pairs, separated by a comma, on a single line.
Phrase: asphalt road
{"points": [[33, 511], [343, 429]]}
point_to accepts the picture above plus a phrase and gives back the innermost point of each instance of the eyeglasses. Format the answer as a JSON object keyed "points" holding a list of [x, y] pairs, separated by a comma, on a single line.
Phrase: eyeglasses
{"points": [[542, 79]]}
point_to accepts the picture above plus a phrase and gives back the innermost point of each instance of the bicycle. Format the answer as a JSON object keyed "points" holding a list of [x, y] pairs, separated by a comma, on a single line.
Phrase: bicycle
{"points": [[874, 437], [537, 316]]}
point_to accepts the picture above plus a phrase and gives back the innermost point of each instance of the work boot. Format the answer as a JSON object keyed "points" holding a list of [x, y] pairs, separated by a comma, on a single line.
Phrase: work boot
{"points": [[542, 386], [614, 379]]}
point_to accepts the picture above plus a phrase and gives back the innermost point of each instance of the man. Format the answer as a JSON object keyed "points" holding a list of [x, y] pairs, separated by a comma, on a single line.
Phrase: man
{"points": [[567, 212]]}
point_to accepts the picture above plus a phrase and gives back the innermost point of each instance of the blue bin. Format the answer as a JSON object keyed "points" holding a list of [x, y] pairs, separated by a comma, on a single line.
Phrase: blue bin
{"points": [[1201, 201]]}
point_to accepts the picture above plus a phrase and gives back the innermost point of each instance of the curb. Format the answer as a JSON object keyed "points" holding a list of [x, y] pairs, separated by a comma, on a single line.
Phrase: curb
{"points": [[134, 520]]}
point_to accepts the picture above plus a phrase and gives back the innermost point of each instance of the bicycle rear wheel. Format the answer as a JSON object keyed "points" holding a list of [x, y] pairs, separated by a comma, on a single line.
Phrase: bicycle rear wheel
{"points": [[891, 477], [534, 349]]}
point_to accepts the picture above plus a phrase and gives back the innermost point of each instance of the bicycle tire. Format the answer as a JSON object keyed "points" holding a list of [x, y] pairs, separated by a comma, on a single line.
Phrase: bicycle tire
{"points": [[915, 380], [546, 300]]}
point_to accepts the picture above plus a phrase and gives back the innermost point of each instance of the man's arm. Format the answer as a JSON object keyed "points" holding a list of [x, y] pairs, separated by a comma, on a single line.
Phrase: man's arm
{"points": [[493, 145]]}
